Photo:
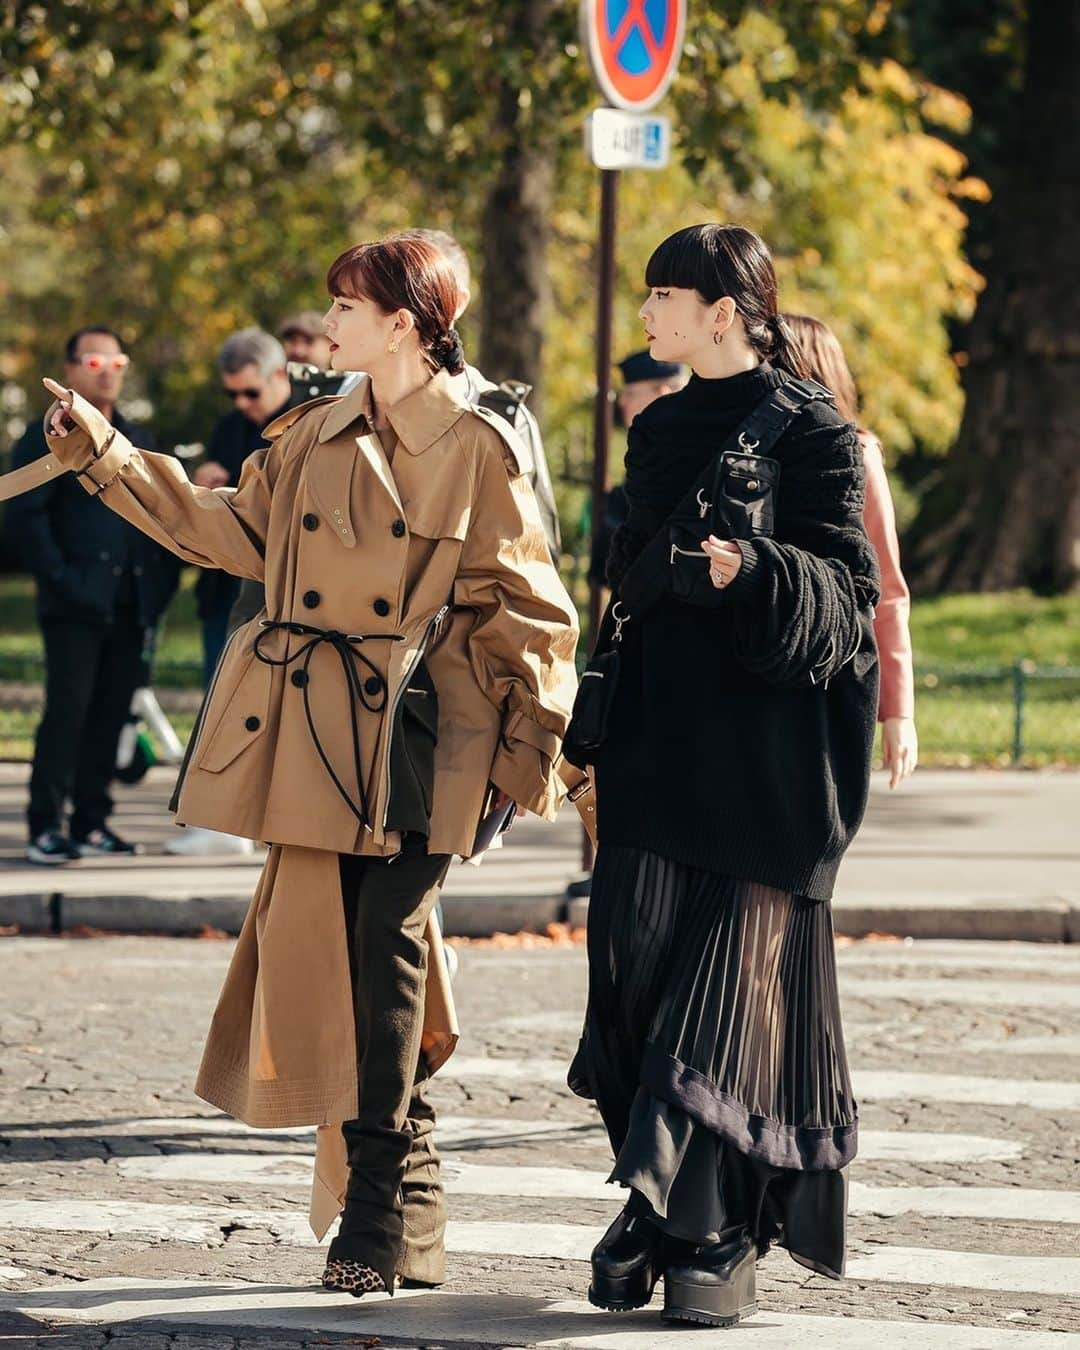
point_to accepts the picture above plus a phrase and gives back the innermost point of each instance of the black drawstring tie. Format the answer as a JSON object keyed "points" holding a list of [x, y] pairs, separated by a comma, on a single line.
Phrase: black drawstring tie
{"points": [[347, 646]]}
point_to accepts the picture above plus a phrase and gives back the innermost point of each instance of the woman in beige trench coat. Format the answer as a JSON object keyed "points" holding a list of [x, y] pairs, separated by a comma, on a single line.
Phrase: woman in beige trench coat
{"points": [[414, 663]]}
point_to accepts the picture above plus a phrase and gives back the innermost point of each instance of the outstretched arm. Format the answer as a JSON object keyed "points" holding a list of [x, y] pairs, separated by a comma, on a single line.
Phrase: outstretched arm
{"points": [[219, 527]]}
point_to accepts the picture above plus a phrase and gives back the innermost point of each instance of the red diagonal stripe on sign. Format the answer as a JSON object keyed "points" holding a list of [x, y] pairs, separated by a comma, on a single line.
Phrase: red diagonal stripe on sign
{"points": [[635, 17]]}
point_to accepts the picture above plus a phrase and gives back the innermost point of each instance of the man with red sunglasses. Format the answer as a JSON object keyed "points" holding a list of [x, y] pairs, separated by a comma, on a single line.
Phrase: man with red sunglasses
{"points": [[102, 586]]}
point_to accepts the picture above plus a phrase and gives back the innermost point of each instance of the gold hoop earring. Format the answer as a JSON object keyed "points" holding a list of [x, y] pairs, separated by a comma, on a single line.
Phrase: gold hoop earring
{"points": [[718, 338]]}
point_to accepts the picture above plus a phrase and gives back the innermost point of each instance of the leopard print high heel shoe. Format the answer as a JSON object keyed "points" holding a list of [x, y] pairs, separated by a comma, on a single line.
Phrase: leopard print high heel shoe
{"points": [[352, 1277]]}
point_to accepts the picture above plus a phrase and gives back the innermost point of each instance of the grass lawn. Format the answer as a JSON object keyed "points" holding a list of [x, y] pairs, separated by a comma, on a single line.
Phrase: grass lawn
{"points": [[966, 648]]}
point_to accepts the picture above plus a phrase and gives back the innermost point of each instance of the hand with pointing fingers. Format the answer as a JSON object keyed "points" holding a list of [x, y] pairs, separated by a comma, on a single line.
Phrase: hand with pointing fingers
{"points": [[77, 431], [61, 421]]}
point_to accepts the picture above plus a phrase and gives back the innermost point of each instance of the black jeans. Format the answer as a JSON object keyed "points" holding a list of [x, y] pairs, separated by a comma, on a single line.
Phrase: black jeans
{"points": [[394, 1213], [91, 672]]}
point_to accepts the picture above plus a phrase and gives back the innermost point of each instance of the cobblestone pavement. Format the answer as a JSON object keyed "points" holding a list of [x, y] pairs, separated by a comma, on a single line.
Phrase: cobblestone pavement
{"points": [[131, 1215]]}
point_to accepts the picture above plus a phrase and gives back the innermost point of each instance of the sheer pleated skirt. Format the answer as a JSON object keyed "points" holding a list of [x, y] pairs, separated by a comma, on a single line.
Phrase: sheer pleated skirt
{"points": [[713, 1047]]}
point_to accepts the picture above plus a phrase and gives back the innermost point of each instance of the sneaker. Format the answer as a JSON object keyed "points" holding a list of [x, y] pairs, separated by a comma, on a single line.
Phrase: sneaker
{"points": [[102, 843], [51, 849], [196, 842]]}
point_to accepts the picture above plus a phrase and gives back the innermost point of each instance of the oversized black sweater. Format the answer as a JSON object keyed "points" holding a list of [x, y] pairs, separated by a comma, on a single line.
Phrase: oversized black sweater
{"points": [[742, 726]]}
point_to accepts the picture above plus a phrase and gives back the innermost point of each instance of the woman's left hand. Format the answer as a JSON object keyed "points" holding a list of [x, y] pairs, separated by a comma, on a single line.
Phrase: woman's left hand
{"points": [[899, 748], [725, 559]]}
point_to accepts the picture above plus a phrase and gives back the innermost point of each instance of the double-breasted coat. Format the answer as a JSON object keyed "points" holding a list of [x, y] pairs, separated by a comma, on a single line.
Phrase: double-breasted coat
{"points": [[368, 567]]}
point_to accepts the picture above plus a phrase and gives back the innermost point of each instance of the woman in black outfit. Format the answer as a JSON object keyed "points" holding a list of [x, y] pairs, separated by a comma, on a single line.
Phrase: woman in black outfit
{"points": [[733, 775]]}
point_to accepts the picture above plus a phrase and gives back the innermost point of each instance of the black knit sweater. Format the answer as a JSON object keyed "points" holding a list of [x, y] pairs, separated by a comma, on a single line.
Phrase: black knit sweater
{"points": [[742, 727]]}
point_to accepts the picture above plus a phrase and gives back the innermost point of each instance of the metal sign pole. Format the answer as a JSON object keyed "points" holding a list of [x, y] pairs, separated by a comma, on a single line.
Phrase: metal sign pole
{"points": [[619, 136], [602, 413]]}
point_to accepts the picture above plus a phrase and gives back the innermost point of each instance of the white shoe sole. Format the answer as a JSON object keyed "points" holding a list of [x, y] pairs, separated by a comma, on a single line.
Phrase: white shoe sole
{"points": [[35, 855]]}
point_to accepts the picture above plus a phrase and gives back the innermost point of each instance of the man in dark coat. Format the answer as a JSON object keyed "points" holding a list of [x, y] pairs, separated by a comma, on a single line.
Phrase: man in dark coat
{"points": [[255, 375], [102, 586]]}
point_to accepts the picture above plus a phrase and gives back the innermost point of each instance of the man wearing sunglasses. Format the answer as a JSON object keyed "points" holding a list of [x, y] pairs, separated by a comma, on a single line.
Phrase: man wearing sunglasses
{"points": [[254, 375], [102, 586]]}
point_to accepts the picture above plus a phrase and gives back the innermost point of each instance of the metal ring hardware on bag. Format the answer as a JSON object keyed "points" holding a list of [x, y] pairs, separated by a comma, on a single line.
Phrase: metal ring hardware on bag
{"points": [[747, 445], [620, 619]]}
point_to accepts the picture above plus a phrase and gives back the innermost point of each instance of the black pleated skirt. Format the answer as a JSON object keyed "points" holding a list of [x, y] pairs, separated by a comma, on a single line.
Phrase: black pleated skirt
{"points": [[713, 1047]]}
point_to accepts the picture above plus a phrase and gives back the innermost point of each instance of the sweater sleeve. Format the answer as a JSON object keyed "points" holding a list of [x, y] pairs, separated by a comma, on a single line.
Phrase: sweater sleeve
{"points": [[897, 697], [801, 604]]}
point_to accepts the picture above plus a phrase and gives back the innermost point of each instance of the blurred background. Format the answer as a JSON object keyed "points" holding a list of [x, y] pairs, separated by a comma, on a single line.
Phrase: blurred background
{"points": [[179, 171]]}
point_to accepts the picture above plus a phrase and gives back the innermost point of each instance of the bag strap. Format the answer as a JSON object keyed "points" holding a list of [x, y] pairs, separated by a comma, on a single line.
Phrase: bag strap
{"points": [[645, 582], [505, 399]]}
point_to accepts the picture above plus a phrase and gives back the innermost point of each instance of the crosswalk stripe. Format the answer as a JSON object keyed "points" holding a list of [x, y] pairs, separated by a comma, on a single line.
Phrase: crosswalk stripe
{"points": [[884, 1085], [1050, 960], [870, 1084], [555, 1183], [457, 1132], [968, 1270], [971, 993], [551, 1241], [483, 1319], [1025, 1045]]}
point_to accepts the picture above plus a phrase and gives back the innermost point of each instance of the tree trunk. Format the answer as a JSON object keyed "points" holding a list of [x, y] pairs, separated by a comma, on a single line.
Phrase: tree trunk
{"points": [[1006, 510], [516, 292]]}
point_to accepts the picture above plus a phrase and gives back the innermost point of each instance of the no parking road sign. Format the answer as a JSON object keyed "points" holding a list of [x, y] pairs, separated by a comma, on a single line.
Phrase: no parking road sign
{"points": [[634, 47]]}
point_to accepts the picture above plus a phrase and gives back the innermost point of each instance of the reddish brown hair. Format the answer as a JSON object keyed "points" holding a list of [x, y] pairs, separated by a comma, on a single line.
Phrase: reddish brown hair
{"points": [[820, 349], [405, 271]]}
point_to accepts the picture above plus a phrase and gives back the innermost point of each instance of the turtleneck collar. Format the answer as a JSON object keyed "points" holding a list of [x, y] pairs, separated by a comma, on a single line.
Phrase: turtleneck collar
{"points": [[732, 390]]}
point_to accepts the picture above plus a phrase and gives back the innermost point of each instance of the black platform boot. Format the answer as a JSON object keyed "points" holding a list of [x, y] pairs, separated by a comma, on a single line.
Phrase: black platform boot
{"points": [[626, 1263], [715, 1287]]}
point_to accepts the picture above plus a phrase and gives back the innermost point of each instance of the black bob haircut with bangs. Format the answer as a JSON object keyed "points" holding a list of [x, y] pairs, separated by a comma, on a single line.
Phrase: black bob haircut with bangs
{"points": [[729, 260]]}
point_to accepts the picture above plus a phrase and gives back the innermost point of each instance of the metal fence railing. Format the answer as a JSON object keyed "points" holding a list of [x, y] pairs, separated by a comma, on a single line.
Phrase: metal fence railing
{"points": [[1019, 714]]}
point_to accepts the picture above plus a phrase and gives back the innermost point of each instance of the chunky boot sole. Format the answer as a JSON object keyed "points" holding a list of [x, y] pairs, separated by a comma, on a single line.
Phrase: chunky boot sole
{"points": [[711, 1305], [622, 1293]]}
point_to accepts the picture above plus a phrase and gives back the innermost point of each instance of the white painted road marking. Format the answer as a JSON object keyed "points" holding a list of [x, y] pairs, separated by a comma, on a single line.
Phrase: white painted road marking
{"points": [[884, 1085], [276, 1170], [995, 993], [870, 1084], [968, 1270], [552, 1241], [457, 1132], [486, 1319]]}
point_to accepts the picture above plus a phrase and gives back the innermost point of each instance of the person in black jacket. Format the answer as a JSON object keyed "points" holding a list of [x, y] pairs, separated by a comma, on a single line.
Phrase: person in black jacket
{"points": [[102, 586], [733, 775]]}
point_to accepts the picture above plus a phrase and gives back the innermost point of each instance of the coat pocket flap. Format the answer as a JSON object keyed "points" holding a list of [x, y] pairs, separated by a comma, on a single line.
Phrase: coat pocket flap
{"points": [[242, 719]]}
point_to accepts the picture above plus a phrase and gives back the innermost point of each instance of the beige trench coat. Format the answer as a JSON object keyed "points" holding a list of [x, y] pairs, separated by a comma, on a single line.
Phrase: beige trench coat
{"points": [[441, 553]]}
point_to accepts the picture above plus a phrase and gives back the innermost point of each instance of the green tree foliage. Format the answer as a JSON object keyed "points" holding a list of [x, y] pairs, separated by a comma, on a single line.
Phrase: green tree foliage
{"points": [[185, 168]]}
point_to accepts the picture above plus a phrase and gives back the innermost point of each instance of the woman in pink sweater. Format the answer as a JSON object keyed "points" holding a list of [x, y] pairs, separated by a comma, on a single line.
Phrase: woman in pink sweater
{"points": [[896, 704]]}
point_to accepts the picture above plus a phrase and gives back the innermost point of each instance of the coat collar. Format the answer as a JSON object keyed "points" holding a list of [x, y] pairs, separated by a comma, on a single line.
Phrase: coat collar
{"points": [[419, 420]]}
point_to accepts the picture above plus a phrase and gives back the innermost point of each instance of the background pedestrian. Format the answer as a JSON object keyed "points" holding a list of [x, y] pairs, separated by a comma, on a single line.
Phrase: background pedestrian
{"points": [[102, 586], [827, 364]]}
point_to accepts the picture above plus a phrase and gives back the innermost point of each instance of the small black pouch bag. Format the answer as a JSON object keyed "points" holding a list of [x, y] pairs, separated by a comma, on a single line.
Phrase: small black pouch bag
{"points": [[741, 504], [589, 720]]}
